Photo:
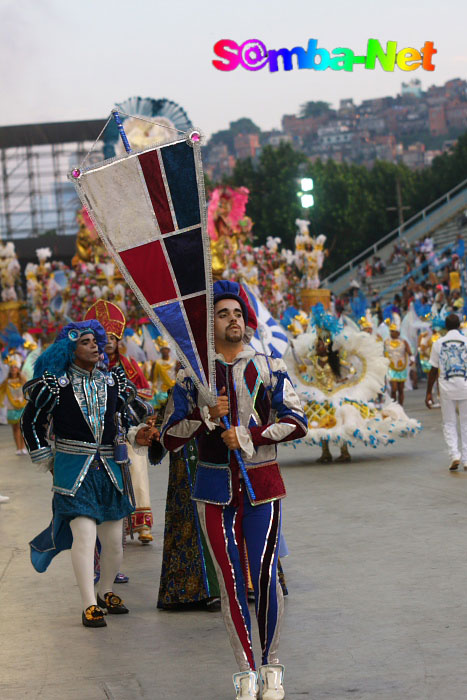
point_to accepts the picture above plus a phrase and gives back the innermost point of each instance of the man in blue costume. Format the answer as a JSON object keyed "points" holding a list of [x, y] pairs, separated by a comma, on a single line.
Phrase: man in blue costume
{"points": [[82, 407], [256, 394]]}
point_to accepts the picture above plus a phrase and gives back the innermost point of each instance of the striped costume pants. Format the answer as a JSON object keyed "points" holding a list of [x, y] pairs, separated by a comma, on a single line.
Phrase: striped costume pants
{"points": [[227, 529]]}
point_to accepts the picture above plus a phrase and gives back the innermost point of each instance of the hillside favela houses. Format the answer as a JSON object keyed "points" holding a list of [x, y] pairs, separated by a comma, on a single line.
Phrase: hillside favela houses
{"points": [[412, 128]]}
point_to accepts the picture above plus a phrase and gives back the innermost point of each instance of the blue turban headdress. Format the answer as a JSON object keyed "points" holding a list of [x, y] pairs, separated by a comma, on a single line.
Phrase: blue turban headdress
{"points": [[58, 357]]}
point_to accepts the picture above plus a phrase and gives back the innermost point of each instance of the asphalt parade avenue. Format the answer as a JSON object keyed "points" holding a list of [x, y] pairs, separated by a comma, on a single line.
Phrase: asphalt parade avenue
{"points": [[376, 574]]}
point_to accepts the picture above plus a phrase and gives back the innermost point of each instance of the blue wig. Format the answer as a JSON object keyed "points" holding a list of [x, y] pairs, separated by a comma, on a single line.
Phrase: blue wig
{"points": [[58, 357]]}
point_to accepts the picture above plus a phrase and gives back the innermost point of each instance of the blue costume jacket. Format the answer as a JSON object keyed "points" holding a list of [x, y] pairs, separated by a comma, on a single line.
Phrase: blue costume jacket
{"points": [[68, 422], [265, 410], [79, 408]]}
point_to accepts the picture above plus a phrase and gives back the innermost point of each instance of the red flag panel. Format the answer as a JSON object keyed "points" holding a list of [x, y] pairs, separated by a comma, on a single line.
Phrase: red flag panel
{"points": [[154, 182], [148, 267]]}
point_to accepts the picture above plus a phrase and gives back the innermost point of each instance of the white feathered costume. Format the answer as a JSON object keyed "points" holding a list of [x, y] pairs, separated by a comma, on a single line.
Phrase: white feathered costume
{"points": [[343, 410]]}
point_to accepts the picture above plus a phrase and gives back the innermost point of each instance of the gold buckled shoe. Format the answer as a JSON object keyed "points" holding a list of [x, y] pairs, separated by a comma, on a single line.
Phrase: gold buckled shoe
{"points": [[112, 603], [145, 536], [93, 617]]}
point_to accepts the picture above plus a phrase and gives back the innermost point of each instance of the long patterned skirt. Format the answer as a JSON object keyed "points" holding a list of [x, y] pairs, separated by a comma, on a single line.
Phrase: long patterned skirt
{"points": [[188, 575]]}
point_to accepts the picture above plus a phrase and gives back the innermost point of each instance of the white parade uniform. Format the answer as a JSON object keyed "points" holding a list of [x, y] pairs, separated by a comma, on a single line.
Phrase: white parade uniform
{"points": [[449, 355]]}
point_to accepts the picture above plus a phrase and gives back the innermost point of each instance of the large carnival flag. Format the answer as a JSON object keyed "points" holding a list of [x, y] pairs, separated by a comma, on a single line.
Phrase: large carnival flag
{"points": [[269, 336], [149, 209]]}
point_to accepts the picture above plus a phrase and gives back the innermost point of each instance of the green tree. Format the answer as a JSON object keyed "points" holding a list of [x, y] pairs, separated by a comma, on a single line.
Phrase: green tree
{"points": [[354, 205], [273, 183], [314, 109], [227, 136], [445, 172], [244, 126]]}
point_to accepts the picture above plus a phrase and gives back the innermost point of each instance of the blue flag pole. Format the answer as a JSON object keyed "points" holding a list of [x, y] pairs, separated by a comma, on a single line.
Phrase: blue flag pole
{"points": [[241, 464], [121, 130]]}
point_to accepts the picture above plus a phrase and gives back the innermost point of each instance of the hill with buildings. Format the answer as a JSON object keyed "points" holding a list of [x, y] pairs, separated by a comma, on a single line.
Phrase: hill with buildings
{"points": [[412, 128]]}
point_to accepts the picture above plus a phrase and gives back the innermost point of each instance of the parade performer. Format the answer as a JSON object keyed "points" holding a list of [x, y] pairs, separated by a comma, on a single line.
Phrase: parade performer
{"points": [[338, 373], [162, 375], [82, 407], [448, 361], [188, 577], [111, 317], [11, 392], [257, 396], [399, 353], [425, 342]]}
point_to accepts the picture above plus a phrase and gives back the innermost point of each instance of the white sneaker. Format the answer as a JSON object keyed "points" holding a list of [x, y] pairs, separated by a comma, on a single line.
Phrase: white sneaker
{"points": [[4, 499], [24, 451], [19, 452], [246, 684], [271, 678]]}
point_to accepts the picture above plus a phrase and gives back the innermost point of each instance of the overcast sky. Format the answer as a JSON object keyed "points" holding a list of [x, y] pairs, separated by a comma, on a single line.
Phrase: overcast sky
{"points": [[63, 60]]}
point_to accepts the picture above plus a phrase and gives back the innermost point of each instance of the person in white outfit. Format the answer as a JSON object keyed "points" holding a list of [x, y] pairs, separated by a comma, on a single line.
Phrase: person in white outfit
{"points": [[448, 359]]}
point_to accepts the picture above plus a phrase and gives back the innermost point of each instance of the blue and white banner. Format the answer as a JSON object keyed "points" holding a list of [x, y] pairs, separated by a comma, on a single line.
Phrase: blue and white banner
{"points": [[270, 337]]}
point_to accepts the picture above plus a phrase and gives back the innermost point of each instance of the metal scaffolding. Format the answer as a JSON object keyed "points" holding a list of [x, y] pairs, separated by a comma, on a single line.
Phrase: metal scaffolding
{"points": [[35, 195]]}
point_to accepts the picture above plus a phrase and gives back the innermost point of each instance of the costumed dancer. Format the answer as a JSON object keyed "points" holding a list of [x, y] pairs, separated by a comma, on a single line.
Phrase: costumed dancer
{"points": [[33, 351], [85, 410], [425, 343], [366, 323], [111, 317], [256, 394], [162, 375], [11, 392], [338, 374], [399, 353], [188, 577]]}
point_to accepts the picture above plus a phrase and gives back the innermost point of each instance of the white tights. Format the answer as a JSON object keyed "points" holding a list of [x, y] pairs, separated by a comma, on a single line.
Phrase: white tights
{"points": [[84, 532]]}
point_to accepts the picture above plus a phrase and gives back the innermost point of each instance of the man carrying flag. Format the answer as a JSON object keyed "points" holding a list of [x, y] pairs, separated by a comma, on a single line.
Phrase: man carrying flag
{"points": [[256, 394]]}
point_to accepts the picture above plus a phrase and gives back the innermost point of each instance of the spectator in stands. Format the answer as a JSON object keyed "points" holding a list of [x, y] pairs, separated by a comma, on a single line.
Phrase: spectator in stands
{"points": [[432, 279], [454, 280], [361, 273], [456, 301], [424, 264], [397, 305], [445, 278], [427, 246], [445, 257], [440, 298], [381, 266], [404, 244], [396, 254], [430, 293]]}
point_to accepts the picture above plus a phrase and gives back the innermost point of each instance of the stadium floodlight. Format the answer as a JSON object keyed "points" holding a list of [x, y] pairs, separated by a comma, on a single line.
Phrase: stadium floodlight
{"points": [[307, 200], [306, 184]]}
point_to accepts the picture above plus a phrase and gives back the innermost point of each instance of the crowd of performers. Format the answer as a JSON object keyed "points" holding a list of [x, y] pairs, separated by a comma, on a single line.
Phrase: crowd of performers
{"points": [[85, 401]]}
